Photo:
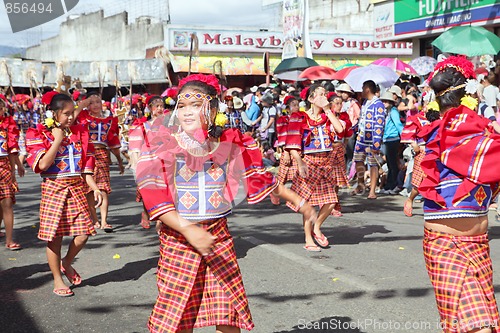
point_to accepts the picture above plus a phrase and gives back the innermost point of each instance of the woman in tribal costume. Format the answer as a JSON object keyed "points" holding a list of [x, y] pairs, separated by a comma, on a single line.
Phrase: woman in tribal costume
{"points": [[310, 138], [64, 157], [461, 180], [188, 176]]}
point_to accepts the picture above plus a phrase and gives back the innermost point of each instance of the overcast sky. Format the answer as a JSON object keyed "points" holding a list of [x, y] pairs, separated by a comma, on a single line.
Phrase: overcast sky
{"points": [[238, 13]]}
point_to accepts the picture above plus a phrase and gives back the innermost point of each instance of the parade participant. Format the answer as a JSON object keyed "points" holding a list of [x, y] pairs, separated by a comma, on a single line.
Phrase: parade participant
{"points": [[413, 126], [310, 140], [369, 138], [339, 151], [138, 134], [461, 179], [392, 136], [288, 166], [351, 106], [198, 277], [22, 115], [9, 160], [104, 134], [63, 155]]}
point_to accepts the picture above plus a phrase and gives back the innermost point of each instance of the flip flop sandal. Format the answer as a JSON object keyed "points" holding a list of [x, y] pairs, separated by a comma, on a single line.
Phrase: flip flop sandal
{"points": [[408, 209], [312, 248], [63, 292], [97, 225], [145, 224], [322, 241], [13, 246], [74, 279], [108, 228]]}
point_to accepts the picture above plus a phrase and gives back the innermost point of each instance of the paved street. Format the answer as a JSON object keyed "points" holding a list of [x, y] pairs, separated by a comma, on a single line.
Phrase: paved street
{"points": [[372, 279]]}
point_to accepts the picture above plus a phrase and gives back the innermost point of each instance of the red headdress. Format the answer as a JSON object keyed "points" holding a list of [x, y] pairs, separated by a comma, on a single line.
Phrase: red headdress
{"points": [[330, 95], [47, 97], [211, 80], [288, 99], [303, 93], [150, 97], [460, 63]]}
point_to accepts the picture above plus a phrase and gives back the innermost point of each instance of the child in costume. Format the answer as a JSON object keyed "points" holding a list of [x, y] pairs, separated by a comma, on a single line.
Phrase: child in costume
{"points": [[9, 159], [104, 134], [288, 166], [138, 133], [339, 165], [414, 124], [461, 168], [188, 176], [64, 157], [310, 140]]}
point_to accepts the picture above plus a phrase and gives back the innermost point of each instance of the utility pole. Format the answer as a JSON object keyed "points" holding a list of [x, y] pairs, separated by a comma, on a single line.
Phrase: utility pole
{"points": [[168, 11]]}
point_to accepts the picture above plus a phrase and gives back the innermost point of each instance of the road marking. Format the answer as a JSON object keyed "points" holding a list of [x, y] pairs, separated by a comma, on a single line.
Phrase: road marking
{"points": [[310, 263]]}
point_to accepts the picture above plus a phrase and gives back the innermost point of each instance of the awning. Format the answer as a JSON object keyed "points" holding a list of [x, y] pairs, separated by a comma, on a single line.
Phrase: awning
{"points": [[253, 64]]}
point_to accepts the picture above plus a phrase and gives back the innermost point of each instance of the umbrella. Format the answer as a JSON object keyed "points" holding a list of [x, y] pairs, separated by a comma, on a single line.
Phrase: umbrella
{"points": [[231, 90], [346, 66], [423, 65], [290, 76], [318, 73], [381, 75], [468, 40], [342, 74], [396, 65], [296, 63]]}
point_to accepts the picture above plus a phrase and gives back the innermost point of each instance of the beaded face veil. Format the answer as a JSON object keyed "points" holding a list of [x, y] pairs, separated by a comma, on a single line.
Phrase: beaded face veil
{"points": [[205, 109]]}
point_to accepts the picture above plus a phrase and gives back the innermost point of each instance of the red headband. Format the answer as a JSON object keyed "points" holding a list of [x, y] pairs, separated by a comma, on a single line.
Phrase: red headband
{"points": [[288, 99], [460, 63], [48, 96], [211, 80]]}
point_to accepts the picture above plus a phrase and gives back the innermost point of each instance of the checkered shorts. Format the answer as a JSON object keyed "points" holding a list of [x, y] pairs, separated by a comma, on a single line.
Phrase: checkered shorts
{"points": [[339, 167], [287, 172], [64, 210], [319, 188], [462, 276], [101, 171], [8, 188], [196, 291], [360, 154], [417, 174]]}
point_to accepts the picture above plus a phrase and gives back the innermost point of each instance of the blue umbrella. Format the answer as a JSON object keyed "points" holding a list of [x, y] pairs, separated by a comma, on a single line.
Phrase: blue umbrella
{"points": [[381, 75], [423, 65]]}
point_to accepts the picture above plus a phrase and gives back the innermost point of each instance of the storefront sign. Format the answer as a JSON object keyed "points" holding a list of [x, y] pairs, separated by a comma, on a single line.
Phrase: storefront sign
{"points": [[413, 18], [234, 41]]}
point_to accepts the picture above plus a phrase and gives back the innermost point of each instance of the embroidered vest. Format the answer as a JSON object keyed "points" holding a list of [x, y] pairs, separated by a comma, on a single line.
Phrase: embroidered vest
{"points": [[68, 161], [200, 195]]}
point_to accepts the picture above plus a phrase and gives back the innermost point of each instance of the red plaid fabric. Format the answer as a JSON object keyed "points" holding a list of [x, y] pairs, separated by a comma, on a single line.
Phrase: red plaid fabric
{"points": [[418, 174], [339, 167], [197, 291], [319, 188], [64, 210], [101, 171], [287, 172], [462, 275], [7, 187]]}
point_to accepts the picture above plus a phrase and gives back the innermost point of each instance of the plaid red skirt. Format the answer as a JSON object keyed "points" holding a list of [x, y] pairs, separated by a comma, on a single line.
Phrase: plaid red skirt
{"points": [[286, 172], [319, 188], [101, 171], [64, 210], [462, 275], [339, 167], [196, 291], [8, 188], [418, 174]]}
